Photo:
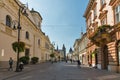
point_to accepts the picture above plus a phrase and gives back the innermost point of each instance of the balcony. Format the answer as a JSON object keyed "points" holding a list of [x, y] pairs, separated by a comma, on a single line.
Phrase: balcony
{"points": [[117, 26], [112, 2], [102, 35]]}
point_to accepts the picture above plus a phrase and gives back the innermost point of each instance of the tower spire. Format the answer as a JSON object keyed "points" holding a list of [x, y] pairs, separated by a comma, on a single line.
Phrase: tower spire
{"points": [[57, 48], [81, 31]]}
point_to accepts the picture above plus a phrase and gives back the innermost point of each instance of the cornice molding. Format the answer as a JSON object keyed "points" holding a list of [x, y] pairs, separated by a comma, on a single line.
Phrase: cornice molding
{"points": [[1, 4], [90, 4], [94, 5], [88, 15]]}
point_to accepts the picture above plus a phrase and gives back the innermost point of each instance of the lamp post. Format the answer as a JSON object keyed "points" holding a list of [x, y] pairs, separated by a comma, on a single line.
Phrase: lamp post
{"points": [[53, 43], [52, 54], [23, 11]]}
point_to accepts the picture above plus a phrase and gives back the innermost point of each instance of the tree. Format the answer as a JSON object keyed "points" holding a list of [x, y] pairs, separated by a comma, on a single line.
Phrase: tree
{"points": [[18, 46], [52, 55]]}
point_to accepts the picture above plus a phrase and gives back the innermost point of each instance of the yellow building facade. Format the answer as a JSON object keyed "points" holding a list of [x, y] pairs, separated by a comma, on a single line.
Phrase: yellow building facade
{"points": [[37, 44]]}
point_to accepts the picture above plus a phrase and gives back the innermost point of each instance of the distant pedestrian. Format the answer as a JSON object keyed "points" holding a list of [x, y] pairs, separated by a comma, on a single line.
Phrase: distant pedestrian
{"points": [[21, 66], [90, 64], [10, 64], [79, 63], [52, 60], [71, 60], [66, 60]]}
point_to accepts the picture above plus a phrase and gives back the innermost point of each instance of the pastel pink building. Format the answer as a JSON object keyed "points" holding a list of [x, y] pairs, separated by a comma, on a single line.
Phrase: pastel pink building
{"points": [[103, 31]]}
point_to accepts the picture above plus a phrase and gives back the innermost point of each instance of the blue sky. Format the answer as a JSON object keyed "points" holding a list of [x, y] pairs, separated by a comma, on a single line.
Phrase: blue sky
{"points": [[63, 20]]}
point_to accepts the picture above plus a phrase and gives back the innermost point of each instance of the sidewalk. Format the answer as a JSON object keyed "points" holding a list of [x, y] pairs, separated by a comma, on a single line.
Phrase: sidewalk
{"points": [[5, 74]]}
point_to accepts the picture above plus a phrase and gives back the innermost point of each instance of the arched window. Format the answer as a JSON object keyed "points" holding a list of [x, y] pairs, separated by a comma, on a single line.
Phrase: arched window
{"points": [[8, 21], [27, 35]]}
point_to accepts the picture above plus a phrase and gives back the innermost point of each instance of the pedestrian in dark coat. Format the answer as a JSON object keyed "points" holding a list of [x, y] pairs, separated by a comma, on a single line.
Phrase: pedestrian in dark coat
{"points": [[79, 63], [10, 64], [21, 66]]}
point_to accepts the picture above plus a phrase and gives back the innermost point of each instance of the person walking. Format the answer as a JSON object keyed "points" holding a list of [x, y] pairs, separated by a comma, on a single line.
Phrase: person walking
{"points": [[21, 66], [10, 64], [71, 60], [79, 63]]}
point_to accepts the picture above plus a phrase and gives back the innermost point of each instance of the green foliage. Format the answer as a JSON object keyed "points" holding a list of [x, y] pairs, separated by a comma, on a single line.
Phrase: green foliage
{"points": [[52, 55], [93, 53], [34, 60], [24, 59], [18, 46], [103, 29]]}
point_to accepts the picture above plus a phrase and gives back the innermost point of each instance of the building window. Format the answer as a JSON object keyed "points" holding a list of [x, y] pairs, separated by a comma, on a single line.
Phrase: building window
{"points": [[95, 12], [39, 24], [103, 21], [102, 2], [27, 35], [89, 21], [38, 41], [117, 14], [46, 45], [8, 21]]}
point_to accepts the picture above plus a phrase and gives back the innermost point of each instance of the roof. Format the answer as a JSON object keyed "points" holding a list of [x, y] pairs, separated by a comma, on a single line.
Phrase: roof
{"points": [[88, 7], [33, 11]]}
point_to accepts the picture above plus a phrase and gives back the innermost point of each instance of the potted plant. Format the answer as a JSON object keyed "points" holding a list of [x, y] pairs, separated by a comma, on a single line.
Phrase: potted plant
{"points": [[34, 60], [24, 59]]}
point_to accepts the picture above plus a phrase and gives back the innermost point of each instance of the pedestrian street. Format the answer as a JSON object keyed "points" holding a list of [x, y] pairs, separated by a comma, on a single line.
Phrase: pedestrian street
{"points": [[61, 71]]}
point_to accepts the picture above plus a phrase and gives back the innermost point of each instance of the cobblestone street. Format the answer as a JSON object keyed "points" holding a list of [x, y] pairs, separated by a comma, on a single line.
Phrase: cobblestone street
{"points": [[59, 71]]}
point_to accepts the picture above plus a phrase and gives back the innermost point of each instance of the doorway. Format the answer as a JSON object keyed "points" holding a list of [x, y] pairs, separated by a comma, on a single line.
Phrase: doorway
{"points": [[105, 57], [96, 59]]}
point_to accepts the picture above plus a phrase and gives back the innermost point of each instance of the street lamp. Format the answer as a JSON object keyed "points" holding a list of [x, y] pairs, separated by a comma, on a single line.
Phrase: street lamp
{"points": [[22, 9], [52, 55]]}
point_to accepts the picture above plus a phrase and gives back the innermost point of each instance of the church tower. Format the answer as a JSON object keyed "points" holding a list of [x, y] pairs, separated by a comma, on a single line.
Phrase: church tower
{"points": [[57, 48], [64, 51], [70, 50]]}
